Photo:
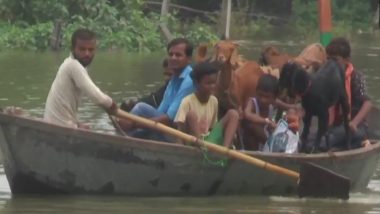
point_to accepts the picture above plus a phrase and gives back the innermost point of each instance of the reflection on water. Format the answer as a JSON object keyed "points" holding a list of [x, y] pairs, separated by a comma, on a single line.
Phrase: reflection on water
{"points": [[25, 82], [358, 203]]}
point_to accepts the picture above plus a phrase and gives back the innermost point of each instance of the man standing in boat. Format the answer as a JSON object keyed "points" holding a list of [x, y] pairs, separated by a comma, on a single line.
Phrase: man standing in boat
{"points": [[180, 85], [72, 82]]}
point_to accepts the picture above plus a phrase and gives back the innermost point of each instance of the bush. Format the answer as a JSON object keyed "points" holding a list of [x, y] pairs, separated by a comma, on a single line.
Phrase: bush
{"points": [[31, 38]]}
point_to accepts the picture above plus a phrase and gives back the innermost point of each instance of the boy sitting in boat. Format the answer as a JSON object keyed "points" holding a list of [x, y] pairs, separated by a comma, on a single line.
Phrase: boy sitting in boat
{"points": [[360, 103], [197, 114], [259, 113]]}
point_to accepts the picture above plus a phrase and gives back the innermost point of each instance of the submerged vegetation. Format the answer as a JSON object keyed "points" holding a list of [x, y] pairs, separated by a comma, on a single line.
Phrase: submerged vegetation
{"points": [[133, 24]]}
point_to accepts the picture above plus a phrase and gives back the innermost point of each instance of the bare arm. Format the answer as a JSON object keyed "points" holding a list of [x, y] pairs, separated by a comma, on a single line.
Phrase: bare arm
{"points": [[359, 92], [363, 112], [252, 117], [284, 106]]}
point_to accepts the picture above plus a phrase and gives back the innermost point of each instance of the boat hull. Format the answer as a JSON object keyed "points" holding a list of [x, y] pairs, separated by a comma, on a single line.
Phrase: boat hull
{"points": [[43, 158]]}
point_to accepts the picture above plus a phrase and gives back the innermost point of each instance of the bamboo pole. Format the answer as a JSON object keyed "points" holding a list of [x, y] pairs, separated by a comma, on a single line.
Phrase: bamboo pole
{"points": [[210, 146]]}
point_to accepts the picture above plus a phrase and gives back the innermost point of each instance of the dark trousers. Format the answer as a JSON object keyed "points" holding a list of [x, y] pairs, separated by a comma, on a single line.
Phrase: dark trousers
{"points": [[337, 136], [147, 111]]}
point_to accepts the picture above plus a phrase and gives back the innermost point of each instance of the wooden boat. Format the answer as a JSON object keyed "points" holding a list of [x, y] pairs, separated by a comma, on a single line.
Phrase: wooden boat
{"points": [[43, 158]]}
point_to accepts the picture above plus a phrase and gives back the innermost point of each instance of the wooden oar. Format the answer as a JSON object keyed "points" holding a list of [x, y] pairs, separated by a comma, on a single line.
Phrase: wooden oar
{"points": [[117, 126], [312, 180]]}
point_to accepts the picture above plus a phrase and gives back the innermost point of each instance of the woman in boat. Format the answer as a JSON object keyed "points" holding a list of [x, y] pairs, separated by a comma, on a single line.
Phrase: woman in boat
{"points": [[198, 112], [360, 103]]}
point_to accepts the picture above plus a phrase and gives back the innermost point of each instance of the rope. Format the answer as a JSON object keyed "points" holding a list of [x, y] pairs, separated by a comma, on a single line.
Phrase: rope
{"points": [[222, 162]]}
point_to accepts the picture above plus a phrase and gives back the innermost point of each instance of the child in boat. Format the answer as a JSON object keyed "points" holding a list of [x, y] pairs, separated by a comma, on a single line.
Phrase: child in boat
{"points": [[358, 98], [293, 119], [259, 113], [197, 114]]}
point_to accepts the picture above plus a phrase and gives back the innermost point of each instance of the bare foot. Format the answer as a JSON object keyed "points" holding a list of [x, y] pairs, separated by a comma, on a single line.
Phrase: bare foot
{"points": [[13, 110], [366, 143]]}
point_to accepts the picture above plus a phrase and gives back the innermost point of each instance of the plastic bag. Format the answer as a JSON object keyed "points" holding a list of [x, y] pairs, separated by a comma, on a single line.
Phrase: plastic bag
{"points": [[282, 139]]}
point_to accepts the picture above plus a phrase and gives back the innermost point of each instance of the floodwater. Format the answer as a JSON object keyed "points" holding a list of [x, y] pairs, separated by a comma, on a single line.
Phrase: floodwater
{"points": [[25, 82]]}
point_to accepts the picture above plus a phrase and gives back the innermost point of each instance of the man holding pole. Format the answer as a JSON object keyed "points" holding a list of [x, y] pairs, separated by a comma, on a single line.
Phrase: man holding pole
{"points": [[72, 82]]}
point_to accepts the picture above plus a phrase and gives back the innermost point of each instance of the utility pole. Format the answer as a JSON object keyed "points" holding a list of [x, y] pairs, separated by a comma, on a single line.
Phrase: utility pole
{"points": [[228, 20], [325, 24]]}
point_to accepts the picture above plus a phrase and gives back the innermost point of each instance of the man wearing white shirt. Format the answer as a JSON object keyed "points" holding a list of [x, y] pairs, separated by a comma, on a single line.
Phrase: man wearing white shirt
{"points": [[72, 82]]}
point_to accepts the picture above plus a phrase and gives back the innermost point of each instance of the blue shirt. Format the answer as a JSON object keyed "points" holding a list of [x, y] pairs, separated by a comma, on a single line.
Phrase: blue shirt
{"points": [[178, 88]]}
